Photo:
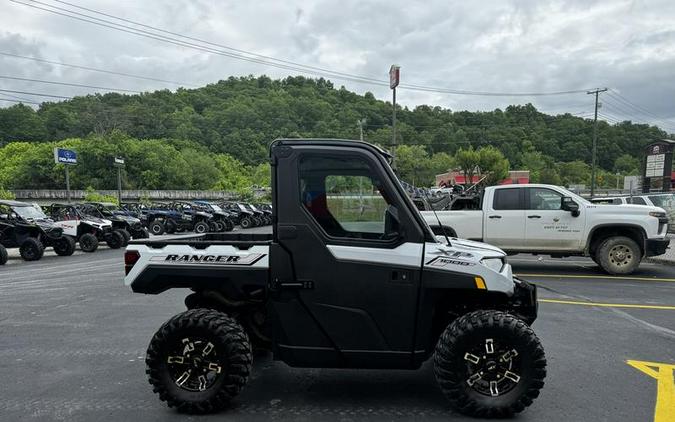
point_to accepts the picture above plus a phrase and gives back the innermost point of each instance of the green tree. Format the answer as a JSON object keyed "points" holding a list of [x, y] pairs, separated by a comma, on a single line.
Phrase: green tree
{"points": [[467, 161]]}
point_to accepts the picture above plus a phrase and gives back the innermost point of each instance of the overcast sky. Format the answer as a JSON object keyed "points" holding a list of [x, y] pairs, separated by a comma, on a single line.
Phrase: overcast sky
{"points": [[495, 46]]}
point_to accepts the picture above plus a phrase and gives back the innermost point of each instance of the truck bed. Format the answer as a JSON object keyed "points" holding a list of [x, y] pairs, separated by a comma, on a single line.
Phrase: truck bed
{"points": [[236, 263]]}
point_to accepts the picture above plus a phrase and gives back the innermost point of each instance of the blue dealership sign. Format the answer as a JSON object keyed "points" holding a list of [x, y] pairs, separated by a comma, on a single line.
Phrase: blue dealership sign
{"points": [[65, 156]]}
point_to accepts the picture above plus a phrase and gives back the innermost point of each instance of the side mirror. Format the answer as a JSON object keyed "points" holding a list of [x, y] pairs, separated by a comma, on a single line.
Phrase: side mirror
{"points": [[568, 204]]}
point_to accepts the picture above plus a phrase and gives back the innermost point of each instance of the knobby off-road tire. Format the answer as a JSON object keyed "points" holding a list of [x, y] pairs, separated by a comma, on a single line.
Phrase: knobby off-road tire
{"points": [[4, 256], [88, 243], [115, 240], [156, 228], [489, 364], [618, 255], [201, 227], [64, 246], [125, 234], [31, 249], [211, 348], [245, 223]]}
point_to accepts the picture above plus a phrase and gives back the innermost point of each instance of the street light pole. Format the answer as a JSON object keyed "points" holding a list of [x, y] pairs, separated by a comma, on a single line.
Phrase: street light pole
{"points": [[595, 138]]}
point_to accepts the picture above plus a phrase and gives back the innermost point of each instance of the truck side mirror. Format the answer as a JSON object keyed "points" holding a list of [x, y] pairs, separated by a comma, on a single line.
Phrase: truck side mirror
{"points": [[568, 204]]}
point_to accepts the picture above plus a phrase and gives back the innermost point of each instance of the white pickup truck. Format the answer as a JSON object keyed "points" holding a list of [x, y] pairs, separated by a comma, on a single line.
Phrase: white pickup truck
{"points": [[547, 219]]}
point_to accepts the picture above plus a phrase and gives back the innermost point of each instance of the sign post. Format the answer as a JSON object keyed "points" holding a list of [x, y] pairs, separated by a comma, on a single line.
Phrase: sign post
{"points": [[394, 79], [119, 163], [69, 158], [658, 166]]}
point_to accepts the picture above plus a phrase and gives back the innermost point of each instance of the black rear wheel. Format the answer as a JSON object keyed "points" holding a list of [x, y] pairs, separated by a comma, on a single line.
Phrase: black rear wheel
{"points": [[4, 256], [64, 246], [115, 240], [489, 364], [245, 223], [199, 360], [31, 249], [125, 234], [201, 227], [88, 242]]}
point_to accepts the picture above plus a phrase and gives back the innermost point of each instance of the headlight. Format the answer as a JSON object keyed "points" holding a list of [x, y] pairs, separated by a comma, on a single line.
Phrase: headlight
{"points": [[657, 214], [495, 264]]}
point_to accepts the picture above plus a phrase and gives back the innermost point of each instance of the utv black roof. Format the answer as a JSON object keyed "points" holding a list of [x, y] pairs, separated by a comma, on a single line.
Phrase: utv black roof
{"points": [[105, 204], [10, 203], [329, 141]]}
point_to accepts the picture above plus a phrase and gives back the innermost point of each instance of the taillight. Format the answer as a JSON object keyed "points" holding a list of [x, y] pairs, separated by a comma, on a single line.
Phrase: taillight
{"points": [[130, 259]]}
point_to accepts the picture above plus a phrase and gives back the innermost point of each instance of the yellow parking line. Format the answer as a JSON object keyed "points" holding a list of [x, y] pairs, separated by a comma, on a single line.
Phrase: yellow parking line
{"points": [[604, 277], [609, 305]]}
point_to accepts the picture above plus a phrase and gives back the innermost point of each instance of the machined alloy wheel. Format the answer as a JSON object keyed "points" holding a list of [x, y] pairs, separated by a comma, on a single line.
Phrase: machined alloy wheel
{"points": [[156, 227], [618, 255], [199, 360], [489, 364], [201, 227]]}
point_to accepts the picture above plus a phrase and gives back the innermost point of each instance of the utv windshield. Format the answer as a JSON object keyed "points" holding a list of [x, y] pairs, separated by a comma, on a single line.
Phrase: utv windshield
{"points": [[216, 208], [28, 213]]}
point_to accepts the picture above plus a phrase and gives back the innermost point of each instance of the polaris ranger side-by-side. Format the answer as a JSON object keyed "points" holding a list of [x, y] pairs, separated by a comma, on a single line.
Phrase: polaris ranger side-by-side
{"points": [[129, 226], [85, 229], [351, 277]]}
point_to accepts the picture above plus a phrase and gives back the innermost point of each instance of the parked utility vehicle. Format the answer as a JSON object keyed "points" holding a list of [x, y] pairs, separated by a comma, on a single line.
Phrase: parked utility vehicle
{"points": [[547, 219], [129, 226], [26, 227], [221, 218], [85, 229], [340, 286]]}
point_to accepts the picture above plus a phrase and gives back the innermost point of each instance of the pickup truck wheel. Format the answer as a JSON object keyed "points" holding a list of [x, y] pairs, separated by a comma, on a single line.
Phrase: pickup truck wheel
{"points": [[31, 249], [618, 255], [156, 228], [88, 242], [64, 246], [199, 360], [489, 364], [4, 256]]}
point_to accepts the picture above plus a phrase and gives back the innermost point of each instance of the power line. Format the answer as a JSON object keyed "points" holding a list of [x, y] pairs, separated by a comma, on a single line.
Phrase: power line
{"points": [[18, 101], [36, 94], [254, 57], [93, 69], [67, 84], [17, 97]]}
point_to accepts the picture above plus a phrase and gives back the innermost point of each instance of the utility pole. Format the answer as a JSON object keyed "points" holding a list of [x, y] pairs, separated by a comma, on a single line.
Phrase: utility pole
{"points": [[394, 78], [595, 137], [361, 122]]}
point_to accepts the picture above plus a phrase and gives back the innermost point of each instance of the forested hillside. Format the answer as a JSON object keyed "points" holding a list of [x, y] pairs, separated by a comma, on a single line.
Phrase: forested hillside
{"points": [[182, 139]]}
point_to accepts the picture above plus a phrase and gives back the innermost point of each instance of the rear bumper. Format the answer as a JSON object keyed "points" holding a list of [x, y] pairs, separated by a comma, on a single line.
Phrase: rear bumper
{"points": [[656, 246]]}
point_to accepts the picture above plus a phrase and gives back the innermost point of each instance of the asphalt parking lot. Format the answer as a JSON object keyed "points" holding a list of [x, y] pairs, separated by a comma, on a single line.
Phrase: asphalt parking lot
{"points": [[74, 339]]}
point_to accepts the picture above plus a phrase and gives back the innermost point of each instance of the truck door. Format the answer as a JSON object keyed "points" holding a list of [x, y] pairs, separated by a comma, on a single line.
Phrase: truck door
{"points": [[504, 218], [356, 251], [548, 227]]}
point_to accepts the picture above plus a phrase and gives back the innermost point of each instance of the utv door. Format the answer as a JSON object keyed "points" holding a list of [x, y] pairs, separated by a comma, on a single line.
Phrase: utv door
{"points": [[353, 252]]}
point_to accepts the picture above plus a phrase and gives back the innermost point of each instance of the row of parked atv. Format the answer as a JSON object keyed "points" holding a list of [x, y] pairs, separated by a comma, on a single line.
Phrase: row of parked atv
{"points": [[199, 216], [32, 228]]}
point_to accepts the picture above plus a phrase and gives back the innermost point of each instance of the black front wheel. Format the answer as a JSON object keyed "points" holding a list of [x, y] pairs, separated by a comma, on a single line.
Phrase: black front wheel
{"points": [[201, 227], [245, 223], [156, 228], [65, 246], [88, 242], [31, 249], [199, 360], [489, 364], [125, 234], [4, 256]]}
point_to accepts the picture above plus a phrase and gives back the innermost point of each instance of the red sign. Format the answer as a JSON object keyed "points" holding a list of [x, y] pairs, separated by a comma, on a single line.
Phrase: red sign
{"points": [[394, 76]]}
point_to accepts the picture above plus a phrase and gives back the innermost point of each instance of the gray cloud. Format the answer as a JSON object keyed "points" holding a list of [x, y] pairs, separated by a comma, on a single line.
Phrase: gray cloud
{"points": [[505, 46]]}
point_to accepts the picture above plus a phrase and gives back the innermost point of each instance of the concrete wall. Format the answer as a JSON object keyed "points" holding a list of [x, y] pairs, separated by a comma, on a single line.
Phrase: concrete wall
{"points": [[48, 196]]}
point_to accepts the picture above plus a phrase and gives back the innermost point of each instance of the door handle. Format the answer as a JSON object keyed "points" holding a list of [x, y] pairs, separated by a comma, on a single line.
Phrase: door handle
{"points": [[534, 216], [495, 216]]}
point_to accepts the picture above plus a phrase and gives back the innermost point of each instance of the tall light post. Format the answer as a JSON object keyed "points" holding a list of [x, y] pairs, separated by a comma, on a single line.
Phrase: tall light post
{"points": [[394, 78]]}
